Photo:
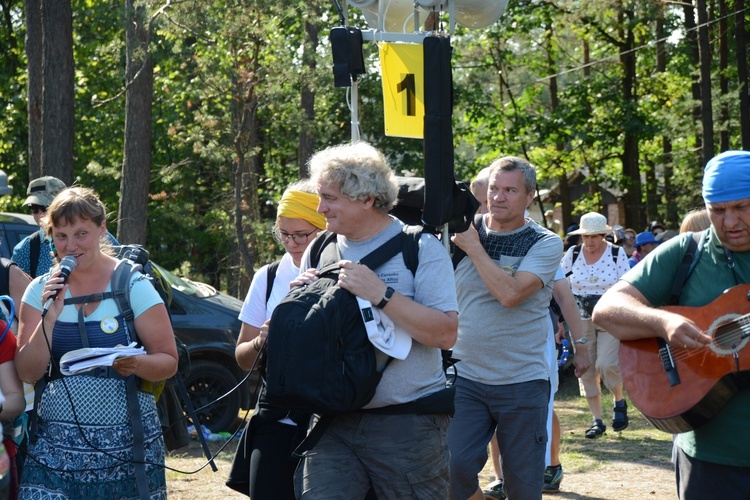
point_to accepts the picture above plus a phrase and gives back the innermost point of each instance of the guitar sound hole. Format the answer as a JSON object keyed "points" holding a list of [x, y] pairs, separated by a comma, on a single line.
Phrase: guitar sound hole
{"points": [[729, 335]]}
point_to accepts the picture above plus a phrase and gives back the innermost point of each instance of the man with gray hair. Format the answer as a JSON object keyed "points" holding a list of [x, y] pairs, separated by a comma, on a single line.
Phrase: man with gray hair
{"points": [[504, 287], [396, 445]]}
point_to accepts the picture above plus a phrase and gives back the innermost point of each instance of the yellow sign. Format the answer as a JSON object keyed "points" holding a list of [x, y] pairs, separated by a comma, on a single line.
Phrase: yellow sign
{"points": [[402, 70]]}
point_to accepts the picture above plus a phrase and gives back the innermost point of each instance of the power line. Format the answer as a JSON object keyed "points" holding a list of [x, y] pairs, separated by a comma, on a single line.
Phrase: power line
{"points": [[614, 56]]}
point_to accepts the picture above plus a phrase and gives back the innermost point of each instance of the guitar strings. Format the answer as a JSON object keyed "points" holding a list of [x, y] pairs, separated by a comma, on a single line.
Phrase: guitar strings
{"points": [[727, 338]]}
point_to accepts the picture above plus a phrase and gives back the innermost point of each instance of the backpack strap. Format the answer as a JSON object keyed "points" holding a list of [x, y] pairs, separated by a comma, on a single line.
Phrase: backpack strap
{"points": [[5, 275], [576, 252], [407, 242], [35, 245], [410, 247], [459, 254], [273, 267], [615, 252], [5, 265], [689, 260], [319, 244], [119, 292]]}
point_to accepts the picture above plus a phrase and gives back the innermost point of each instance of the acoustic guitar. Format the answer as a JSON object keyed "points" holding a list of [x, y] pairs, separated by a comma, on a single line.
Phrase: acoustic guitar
{"points": [[681, 389]]}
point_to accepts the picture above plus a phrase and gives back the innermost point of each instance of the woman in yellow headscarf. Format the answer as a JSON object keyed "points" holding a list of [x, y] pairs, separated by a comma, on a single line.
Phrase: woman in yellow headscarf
{"points": [[263, 466]]}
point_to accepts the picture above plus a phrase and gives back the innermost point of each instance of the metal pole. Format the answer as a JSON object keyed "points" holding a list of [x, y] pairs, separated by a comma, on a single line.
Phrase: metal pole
{"points": [[354, 107]]}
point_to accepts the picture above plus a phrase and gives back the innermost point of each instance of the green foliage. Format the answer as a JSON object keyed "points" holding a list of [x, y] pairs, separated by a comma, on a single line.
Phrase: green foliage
{"points": [[523, 86], [13, 118]]}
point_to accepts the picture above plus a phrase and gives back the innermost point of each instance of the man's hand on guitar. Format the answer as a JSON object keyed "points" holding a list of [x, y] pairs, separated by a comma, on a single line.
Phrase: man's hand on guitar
{"points": [[683, 333]]}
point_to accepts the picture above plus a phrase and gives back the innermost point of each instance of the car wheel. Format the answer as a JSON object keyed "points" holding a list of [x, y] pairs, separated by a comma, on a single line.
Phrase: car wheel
{"points": [[208, 381]]}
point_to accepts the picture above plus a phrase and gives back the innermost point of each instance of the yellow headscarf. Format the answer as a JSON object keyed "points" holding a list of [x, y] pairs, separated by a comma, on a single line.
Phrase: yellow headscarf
{"points": [[301, 205]]}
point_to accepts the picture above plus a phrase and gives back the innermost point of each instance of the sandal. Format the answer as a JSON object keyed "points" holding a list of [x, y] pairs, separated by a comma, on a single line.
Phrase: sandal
{"points": [[620, 416], [596, 430]]}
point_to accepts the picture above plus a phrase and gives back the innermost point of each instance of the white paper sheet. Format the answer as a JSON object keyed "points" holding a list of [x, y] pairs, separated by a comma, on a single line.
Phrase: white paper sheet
{"points": [[88, 358]]}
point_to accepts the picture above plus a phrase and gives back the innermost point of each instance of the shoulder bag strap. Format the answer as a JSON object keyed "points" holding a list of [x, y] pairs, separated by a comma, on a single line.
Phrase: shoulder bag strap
{"points": [[273, 267], [35, 244]]}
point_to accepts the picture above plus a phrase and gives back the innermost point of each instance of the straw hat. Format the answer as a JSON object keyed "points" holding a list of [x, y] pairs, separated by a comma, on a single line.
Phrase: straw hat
{"points": [[593, 223]]}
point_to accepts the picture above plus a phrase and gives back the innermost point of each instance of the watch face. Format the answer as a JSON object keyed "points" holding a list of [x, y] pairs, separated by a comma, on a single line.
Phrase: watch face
{"points": [[109, 325]]}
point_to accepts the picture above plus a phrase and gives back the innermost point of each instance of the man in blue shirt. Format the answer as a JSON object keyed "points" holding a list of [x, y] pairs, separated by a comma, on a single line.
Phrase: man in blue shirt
{"points": [[40, 194]]}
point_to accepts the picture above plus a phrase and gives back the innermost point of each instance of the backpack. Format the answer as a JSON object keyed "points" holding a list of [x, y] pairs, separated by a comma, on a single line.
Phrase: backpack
{"points": [[168, 393], [409, 206], [317, 333]]}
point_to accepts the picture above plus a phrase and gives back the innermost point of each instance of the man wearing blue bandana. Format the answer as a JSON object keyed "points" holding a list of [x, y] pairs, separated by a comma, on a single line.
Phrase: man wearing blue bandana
{"points": [[713, 460]]}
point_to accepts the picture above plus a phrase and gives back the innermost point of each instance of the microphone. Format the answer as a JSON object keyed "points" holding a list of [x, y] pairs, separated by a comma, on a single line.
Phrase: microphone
{"points": [[68, 264]]}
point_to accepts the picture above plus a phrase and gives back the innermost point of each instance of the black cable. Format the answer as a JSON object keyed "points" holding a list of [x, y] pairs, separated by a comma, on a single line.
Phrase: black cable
{"points": [[118, 459], [340, 11]]}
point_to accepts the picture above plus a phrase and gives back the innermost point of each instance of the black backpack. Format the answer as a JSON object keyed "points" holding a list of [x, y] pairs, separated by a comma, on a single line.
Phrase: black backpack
{"points": [[319, 358]]}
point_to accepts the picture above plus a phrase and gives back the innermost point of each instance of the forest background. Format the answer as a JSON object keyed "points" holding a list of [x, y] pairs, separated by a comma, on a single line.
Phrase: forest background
{"points": [[189, 117]]}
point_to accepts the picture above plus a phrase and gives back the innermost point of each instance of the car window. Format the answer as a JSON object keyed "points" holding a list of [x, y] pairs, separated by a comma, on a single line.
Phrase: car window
{"points": [[195, 289]]}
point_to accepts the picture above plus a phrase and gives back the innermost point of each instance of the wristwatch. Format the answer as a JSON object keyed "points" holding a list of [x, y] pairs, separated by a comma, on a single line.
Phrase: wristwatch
{"points": [[582, 340], [386, 297]]}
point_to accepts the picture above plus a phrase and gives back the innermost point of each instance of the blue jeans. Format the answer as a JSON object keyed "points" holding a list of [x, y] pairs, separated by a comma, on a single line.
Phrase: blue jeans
{"points": [[519, 413]]}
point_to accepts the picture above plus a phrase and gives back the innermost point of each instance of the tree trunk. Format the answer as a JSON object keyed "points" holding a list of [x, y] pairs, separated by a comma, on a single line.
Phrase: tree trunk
{"points": [[630, 163], [652, 197], [704, 45], [742, 72], [57, 90], [723, 79], [247, 205], [307, 92], [554, 100], [672, 217], [136, 166], [691, 39], [34, 49]]}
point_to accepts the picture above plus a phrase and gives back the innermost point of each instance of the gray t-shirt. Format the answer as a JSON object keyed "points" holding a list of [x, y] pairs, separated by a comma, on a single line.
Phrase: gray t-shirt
{"points": [[421, 373], [499, 345]]}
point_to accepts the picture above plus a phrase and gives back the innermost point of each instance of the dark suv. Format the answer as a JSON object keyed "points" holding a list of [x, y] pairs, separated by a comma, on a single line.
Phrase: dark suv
{"points": [[205, 320]]}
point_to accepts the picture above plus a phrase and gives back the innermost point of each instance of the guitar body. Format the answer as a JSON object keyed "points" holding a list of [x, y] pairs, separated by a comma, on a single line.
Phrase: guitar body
{"points": [[709, 376]]}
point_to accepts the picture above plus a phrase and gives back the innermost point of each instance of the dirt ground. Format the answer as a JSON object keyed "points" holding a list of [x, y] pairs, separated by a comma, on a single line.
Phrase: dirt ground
{"points": [[633, 464]]}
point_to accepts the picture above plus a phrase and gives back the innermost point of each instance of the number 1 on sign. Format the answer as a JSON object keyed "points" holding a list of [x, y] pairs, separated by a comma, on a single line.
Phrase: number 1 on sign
{"points": [[410, 93], [402, 69]]}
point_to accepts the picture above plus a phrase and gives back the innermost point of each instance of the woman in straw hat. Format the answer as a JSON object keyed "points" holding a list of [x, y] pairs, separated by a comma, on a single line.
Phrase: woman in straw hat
{"points": [[263, 466], [592, 267]]}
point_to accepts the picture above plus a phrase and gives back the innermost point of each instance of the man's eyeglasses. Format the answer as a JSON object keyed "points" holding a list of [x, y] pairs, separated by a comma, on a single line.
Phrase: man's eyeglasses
{"points": [[299, 239], [35, 209]]}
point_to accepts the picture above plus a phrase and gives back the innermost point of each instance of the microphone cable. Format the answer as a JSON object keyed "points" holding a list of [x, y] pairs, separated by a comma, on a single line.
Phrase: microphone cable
{"points": [[119, 460]]}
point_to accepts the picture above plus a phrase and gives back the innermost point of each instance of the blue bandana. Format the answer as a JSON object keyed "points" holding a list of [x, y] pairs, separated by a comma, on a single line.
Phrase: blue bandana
{"points": [[727, 177]]}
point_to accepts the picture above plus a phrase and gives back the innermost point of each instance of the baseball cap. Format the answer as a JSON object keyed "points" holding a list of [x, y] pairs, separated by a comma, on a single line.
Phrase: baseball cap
{"points": [[43, 190]]}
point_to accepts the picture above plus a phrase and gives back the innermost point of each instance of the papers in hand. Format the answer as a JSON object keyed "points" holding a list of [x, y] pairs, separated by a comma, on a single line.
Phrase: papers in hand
{"points": [[88, 358]]}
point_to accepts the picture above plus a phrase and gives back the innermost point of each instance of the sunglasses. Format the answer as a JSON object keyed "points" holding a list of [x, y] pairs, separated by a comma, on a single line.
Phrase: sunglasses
{"points": [[35, 209]]}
